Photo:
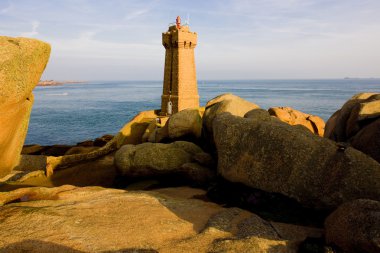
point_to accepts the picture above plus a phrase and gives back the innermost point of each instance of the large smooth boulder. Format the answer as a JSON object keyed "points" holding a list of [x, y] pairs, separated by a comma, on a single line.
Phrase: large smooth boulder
{"points": [[155, 159], [358, 123], [183, 124], [187, 122], [367, 140], [22, 62], [355, 226], [348, 120], [225, 103], [273, 156], [95, 219], [293, 117]]}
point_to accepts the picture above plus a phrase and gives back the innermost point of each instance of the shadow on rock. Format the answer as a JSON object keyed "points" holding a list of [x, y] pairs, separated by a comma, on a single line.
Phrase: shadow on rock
{"points": [[38, 246], [270, 206]]}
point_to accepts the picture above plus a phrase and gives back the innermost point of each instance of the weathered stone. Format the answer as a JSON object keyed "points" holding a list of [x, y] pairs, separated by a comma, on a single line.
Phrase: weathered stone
{"points": [[257, 114], [361, 113], [318, 124], [22, 62], [357, 123], [355, 226], [56, 150], [367, 140], [276, 157], [32, 149], [94, 219], [197, 173], [149, 159], [363, 95], [204, 159], [335, 128], [32, 162], [287, 115], [100, 172], [101, 141], [162, 120], [293, 117], [131, 133], [80, 150], [370, 109], [331, 126], [157, 130], [224, 103], [87, 143], [159, 134], [344, 123], [21, 179], [149, 130], [185, 122]]}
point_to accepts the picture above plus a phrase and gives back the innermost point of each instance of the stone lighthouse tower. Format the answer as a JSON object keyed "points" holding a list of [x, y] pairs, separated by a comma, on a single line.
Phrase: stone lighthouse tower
{"points": [[180, 89]]}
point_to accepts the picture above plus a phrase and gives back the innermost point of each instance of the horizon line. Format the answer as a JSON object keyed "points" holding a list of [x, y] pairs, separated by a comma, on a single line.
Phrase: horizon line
{"points": [[202, 80]]}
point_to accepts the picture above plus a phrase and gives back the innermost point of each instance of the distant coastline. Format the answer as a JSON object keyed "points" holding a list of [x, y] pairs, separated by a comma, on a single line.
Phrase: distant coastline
{"points": [[55, 83], [362, 78]]}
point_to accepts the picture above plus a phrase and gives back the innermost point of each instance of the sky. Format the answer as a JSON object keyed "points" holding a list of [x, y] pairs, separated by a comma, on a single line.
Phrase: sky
{"points": [[237, 39]]}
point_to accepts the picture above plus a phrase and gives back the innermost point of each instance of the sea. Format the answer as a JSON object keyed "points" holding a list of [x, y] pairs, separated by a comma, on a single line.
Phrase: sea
{"points": [[72, 113]]}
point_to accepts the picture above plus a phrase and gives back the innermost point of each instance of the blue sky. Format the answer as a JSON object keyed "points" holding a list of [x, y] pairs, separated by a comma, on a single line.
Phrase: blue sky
{"points": [[256, 39]]}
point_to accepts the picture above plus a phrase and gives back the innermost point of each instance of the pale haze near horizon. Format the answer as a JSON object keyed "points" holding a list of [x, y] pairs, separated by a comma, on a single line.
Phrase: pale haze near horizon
{"points": [[283, 39]]}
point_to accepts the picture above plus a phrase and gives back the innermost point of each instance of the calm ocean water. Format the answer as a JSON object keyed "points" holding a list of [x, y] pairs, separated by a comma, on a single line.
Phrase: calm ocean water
{"points": [[75, 112]]}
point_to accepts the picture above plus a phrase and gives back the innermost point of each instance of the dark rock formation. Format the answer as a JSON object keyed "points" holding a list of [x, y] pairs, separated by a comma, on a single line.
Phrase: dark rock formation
{"points": [[357, 123], [355, 226], [273, 156]]}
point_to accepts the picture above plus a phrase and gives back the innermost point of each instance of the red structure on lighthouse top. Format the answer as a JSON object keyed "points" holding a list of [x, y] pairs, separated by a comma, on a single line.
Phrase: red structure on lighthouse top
{"points": [[178, 22]]}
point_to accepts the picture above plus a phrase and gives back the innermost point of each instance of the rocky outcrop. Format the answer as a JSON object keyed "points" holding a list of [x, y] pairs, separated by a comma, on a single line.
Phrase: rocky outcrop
{"points": [[80, 150], [60, 150], [131, 133], [367, 140], [183, 124], [94, 219], [293, 117], [155, 159], [335, 128], [22, 62], [224, 103], [355, 226], [187, 122], [157, 131], [103, 140], [357, 123], [276, 157], [98, 142], [99, 172]]}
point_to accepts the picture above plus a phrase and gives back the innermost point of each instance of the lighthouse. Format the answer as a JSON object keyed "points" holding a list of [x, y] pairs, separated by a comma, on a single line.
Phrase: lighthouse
{"points": [[180, 89]]}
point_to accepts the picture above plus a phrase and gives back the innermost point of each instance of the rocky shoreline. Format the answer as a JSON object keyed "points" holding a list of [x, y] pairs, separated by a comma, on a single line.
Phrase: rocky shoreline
{"points": [[227, 177]]}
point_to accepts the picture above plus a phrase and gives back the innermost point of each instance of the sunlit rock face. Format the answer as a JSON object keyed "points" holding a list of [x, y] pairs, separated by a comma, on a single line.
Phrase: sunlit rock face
{"points": [[22, 62], [96, 219]]}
